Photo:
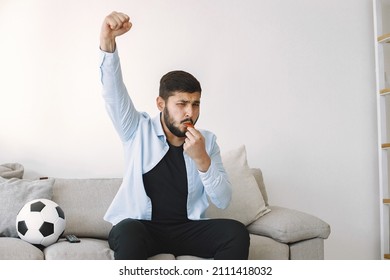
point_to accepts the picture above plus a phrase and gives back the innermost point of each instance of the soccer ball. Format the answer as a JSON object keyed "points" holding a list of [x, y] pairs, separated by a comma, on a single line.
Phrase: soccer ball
{"points": [[40, 222]]}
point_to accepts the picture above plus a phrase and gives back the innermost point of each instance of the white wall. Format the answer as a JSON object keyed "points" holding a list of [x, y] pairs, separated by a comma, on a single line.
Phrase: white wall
{"points": [[293, 80]]}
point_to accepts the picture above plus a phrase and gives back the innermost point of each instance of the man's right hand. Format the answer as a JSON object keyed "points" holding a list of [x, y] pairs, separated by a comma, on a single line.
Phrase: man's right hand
{"points": [[115, 24]]}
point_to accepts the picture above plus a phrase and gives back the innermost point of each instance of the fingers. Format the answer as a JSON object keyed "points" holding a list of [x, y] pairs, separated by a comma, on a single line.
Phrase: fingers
{"points": [[195, 148], [194, 138], [115, 24], [117, 21], [192, 134]]}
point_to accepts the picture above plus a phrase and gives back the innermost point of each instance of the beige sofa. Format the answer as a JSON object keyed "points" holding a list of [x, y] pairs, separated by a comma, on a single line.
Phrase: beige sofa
{"points": [[276, 233]]}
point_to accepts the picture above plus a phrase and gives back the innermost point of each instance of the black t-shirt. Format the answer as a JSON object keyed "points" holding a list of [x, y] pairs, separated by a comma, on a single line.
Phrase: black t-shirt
{"points": [[167, 187]]}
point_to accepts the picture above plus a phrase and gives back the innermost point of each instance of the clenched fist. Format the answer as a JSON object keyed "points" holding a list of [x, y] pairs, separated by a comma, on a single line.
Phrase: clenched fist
{"points": [[115, 24], [194, 146]]}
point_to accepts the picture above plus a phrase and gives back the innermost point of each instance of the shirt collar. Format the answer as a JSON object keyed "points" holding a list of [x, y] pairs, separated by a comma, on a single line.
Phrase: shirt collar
{"points": [[158, 126]]}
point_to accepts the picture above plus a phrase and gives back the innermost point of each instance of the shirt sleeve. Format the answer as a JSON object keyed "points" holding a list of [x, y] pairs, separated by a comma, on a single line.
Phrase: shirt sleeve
{"points": [[216, 181], [118, 103]]}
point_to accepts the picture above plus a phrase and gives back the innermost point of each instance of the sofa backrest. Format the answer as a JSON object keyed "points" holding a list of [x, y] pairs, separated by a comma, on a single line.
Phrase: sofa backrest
{"points": [[85, 202]]}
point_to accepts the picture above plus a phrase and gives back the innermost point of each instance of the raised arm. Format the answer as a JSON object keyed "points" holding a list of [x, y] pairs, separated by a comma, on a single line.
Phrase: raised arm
{"points": [[118, 103], [114, 25]]}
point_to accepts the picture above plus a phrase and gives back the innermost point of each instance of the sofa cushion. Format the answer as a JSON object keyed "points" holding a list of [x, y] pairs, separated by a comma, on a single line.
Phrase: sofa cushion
{"points": [[85, 202], [247, 202], [86, 249], [162, 257], [14, 193], [16, 249], [11, 170], [289, 226]]}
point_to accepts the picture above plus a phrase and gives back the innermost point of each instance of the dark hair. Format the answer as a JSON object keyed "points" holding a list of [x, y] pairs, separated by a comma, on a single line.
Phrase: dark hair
{"points": [[180, 81]]}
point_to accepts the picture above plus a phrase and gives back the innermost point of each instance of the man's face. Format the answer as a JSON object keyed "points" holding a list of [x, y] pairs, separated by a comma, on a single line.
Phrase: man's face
{"points": [[181, 108]]}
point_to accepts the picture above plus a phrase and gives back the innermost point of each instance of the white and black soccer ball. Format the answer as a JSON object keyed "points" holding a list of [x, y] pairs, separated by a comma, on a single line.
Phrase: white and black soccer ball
{"points": [[40, 222]]}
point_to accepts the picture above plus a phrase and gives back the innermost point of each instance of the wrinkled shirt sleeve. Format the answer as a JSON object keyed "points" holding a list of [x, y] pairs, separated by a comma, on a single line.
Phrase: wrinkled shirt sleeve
{"points": [[118, 104], [215, 179]]}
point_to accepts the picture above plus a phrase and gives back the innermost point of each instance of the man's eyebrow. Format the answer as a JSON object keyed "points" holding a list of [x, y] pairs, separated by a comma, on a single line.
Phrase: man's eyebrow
{"points": [[188, 101]]}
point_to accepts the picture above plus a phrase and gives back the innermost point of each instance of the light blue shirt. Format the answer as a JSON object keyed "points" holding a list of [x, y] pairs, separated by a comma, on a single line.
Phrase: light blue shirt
{"points": [[145, 145]]}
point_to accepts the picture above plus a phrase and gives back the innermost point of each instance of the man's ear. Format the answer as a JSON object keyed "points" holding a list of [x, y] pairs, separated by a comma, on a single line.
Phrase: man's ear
{"points": [[160, 103]]}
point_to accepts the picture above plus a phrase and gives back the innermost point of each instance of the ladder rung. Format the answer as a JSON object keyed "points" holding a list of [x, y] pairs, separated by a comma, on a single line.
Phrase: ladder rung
{"points": [[385, 91], [384, 38], [387, 256], [386, 201], [385, 145]]}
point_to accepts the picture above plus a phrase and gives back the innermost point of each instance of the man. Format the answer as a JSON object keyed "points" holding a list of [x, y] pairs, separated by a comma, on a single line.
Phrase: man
{"points": [[171, 169]]}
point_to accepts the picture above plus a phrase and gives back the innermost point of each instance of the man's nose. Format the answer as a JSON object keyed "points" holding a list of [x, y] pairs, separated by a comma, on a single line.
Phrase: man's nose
{"points": [[189, 111]]}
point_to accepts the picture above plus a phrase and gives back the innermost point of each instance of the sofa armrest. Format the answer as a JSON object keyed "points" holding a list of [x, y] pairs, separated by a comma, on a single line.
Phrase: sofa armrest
{"points": [[289, 226]]}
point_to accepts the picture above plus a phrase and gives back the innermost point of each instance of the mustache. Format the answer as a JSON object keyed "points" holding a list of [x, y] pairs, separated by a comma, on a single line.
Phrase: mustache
{"points": [[187, 120]]}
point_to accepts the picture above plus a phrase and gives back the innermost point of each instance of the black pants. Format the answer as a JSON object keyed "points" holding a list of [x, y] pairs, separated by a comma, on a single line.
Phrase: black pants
{"points": [[214, 238]]}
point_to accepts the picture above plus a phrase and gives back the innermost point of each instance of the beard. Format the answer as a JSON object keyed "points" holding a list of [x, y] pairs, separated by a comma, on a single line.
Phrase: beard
{"points": [[170, 123]]}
